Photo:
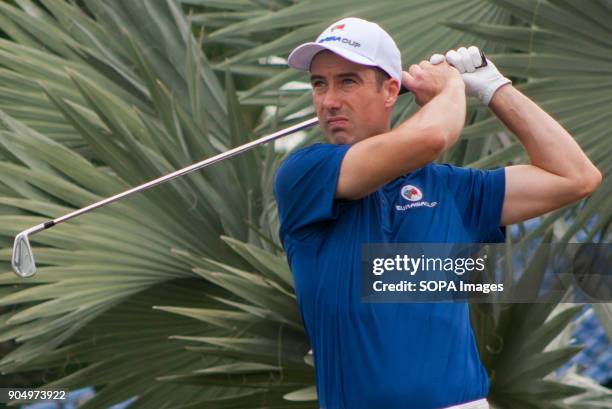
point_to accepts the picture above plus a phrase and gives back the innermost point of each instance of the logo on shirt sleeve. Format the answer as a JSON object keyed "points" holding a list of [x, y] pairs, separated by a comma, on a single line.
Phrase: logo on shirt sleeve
{"points": [[413, 194]]}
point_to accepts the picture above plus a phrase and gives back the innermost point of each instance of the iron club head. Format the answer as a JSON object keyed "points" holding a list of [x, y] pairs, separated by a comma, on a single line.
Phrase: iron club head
{"points": [[23, 259]]}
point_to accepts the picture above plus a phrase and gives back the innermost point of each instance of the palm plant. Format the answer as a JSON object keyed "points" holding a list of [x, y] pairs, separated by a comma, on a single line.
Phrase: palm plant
{"points": [[182, 296]]}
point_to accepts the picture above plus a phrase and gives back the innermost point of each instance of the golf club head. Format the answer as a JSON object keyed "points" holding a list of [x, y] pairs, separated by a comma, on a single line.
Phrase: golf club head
{"points": [[23, 258]]}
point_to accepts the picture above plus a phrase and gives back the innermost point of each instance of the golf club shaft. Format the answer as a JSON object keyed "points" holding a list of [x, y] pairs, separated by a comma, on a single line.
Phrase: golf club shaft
{"points": [[191, 168]]}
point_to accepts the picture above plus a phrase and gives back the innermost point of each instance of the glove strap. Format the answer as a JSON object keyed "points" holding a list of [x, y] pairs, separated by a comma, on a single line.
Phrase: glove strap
{"points": [[486, 94]]}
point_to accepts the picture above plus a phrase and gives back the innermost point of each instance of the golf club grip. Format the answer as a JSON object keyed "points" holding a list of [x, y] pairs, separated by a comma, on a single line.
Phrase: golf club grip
{"points": [[404, 90]]}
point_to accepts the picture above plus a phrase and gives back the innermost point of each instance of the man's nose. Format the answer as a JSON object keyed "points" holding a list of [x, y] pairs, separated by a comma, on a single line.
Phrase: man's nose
{"points": [[332, 99]]}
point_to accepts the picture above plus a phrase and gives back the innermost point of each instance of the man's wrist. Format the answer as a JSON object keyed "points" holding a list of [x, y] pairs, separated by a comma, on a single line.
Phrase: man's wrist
{"points": [[487, 94], [454, 89], [501, 94]]}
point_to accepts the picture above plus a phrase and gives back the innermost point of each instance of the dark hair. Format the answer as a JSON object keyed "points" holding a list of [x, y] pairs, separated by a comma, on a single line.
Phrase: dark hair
{"points": [[381, 76]]}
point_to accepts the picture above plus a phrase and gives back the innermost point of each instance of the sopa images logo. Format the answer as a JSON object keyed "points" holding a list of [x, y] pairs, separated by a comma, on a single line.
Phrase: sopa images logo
{"points": [[411, 193]]}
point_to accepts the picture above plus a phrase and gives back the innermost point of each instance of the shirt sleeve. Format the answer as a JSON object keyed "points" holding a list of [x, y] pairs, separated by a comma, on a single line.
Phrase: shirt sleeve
{"points": [[305, 187], [479, 197]]}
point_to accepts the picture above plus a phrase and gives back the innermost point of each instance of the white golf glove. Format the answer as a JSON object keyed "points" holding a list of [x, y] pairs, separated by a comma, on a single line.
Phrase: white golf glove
{"points": [[479, 82]]}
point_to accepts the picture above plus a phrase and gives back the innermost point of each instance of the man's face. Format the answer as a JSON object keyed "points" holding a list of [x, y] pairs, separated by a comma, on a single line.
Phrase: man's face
{"points": [[349, 104]]}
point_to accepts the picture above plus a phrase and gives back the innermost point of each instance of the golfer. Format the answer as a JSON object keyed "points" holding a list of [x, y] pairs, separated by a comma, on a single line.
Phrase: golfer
{"points": [[332, 197]]}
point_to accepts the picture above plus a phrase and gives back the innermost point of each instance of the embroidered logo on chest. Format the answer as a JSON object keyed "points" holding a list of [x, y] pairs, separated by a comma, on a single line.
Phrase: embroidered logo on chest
{"points": [[413, 194]]}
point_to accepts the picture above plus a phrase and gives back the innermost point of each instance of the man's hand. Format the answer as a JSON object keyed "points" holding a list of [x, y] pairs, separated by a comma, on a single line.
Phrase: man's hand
{"points": [[427, 80], [479, 82]]}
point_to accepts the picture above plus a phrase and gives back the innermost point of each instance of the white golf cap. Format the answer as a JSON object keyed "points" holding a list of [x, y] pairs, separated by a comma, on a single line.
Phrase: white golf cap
{"points": [[357, 40]]}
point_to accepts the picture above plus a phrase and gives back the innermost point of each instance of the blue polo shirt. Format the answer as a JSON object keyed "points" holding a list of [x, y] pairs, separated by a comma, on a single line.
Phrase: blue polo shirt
{"points": [[383, 355]]}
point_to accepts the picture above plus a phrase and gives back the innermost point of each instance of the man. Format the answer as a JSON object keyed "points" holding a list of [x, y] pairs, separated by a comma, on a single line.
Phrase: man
{"points": [[334, 197]]}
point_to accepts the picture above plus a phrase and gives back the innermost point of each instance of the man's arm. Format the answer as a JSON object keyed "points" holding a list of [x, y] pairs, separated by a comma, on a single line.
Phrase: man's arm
{"points": [[374, 161], [559, 171]]}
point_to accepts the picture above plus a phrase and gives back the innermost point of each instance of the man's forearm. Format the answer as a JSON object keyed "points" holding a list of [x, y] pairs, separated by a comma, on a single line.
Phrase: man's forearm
{"points": [[548, 145], [445, 113], [415, 143]]}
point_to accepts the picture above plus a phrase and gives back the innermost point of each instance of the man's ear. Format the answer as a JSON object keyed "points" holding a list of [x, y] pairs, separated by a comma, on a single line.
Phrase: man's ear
{"points": [[391, 90]]}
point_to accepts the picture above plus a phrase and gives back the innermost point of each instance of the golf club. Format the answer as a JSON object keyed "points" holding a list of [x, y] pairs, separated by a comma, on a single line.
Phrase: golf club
{"points": [[22, 258]]}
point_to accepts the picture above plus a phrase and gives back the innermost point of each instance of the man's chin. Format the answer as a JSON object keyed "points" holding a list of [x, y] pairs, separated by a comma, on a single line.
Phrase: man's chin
{"points": [[341, 137]]}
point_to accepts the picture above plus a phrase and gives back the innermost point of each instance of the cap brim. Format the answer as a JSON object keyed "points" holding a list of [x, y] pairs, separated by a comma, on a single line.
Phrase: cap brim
{"points": [[301, 57]]}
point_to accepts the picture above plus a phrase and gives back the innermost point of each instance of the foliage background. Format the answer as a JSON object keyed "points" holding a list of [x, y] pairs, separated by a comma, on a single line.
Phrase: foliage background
{"points": [[181, 296]]}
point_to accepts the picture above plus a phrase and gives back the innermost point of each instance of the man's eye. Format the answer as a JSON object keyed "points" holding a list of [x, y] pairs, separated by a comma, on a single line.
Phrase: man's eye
{"points": [[348, 81], [317, 84]]}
